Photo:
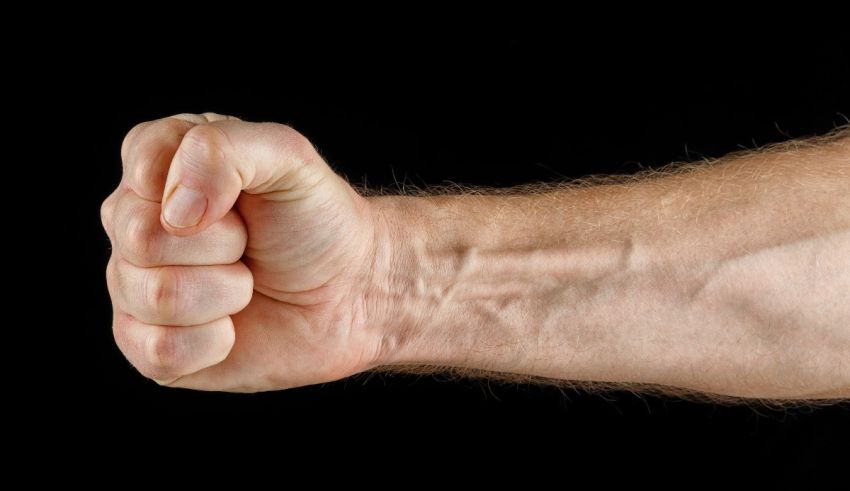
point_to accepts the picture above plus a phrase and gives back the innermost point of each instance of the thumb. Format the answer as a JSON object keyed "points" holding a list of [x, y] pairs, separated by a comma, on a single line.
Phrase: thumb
{"points": [[216, 161]]}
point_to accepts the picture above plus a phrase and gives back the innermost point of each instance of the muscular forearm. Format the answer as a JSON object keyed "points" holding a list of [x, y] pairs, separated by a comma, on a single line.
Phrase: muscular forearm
{"points": [[730, 278]]}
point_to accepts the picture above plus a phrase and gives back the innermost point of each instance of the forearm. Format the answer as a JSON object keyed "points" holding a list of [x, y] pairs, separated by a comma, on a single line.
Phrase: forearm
{"points": [[730, 278]]}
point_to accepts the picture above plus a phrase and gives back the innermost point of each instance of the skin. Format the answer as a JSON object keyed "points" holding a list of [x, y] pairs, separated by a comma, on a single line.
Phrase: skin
{"points": [[730, 279]]}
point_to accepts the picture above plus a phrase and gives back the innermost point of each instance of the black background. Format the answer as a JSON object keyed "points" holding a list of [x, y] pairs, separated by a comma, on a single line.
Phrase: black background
{"points": [[500, 109]]}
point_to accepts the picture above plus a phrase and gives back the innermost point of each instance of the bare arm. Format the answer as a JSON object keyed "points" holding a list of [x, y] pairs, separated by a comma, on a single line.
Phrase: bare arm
{"points": [[731, 278], [241, 262]]}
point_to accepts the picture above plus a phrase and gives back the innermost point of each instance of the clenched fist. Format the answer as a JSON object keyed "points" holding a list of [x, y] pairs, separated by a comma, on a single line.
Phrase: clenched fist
{"points": [[239, 258]]}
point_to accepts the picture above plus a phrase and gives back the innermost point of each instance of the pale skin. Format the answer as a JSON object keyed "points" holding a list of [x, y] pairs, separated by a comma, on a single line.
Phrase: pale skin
{"points": [[242, 262]]}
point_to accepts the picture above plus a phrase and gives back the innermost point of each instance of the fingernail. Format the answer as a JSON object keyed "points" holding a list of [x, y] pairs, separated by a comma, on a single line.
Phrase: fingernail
{"points": [[184, 208]]}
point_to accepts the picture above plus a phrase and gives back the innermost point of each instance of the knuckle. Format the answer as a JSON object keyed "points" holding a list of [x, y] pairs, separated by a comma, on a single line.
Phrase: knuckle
{"points": [[139, 241], [144, 168], [164, 356], [173, 126], [295, 145], [190, 118], [119, 333], [130, 138], [111, 277], [203, 145], [213, 117], [106, 212], [147, 150], [300, 146], [162, 292]]}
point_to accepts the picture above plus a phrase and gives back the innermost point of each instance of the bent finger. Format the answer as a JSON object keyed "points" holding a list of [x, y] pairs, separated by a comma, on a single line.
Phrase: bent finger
{"points": [[147, 151], [165, 353], [141, 240], [180, 295]]}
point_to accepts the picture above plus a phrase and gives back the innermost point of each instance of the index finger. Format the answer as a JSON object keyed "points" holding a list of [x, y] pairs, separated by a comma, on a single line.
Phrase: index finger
{"points": [[148, 149]]}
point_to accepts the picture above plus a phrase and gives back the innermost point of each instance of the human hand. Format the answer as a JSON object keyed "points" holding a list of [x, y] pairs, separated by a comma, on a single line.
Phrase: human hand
{"points": [[253, 275]]}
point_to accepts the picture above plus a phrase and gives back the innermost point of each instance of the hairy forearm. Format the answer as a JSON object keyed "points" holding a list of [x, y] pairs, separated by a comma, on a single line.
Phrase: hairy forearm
{"points": [[729, 278]]}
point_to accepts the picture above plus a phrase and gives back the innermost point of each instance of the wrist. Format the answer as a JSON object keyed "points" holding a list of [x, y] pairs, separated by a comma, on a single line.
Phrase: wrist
{"points": [[396, 291]]}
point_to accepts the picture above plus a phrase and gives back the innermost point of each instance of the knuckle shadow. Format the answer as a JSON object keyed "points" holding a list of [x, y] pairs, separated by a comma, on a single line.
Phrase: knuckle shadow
{"points": [[162, 291], [163, 355], [139, 241]]}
